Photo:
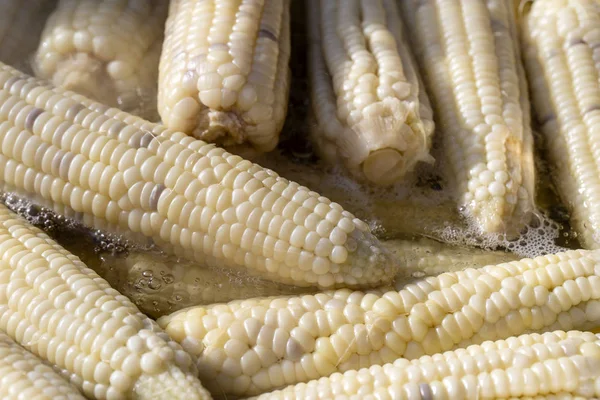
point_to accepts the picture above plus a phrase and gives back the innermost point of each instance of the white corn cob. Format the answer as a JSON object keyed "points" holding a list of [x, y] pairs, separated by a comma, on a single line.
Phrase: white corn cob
{"points": [[24, 376], [554, 365], [119, 173], [161, 285], [252, 346], [561, 42], [370, 106], [469, 53], [63, 312], [21, 26], [108, 50], [224, 74]]}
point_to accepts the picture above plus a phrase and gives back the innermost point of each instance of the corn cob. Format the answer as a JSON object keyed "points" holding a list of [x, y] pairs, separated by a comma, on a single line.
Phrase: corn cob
{"points": [[24, 376], [20, 30], [161, 285], [63, 312], [472, 68], [224, 74], [369, 104], [552, 365], [252, 346], [119, 173], [561, 42], [108, 50]]}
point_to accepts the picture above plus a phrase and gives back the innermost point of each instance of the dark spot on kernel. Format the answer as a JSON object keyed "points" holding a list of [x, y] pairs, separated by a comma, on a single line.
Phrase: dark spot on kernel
{"points": [[155, 195], [115, 129], [590, 109], [31, 117], [59, 133], [135, 139], [575, 42], [146, 139], [265, 33], [73, 111], [56, 162], [65, 164], [11, 81], [140, 139], [426, 392]]}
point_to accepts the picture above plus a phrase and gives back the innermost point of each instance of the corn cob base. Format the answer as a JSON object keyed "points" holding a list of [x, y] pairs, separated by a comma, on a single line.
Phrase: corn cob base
{"points": [[224, 75], [370, 108]]}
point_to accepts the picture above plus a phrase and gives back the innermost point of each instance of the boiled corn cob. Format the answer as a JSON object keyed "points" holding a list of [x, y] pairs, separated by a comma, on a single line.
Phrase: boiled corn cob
{"points": [[561, 42], [24, 376], [253, 346], [160, 285], [224, 74], [108, 50], [558, 365], [63, 312], [471, 61], [119, 173], [20, 30], [371, 110]]}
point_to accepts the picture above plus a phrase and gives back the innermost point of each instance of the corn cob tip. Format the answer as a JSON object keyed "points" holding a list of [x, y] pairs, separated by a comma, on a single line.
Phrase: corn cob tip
{"points": [[367, 257], [171, 384]]}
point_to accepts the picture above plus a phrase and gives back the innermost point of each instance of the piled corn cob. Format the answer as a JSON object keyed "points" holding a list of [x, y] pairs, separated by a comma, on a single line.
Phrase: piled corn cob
{"points": [[120, 173], [108, 50], [224, 73], [554, 365], [24, 376], [20, 30], [470, 57], [253, 346], [161, 285], [561, 42], [63, 312], [371, 110]]}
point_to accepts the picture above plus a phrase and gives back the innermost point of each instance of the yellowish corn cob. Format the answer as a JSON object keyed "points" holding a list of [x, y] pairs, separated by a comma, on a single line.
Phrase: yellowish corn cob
{"points": [[371, 110], [224, 74], [557, 365], [24, 376], [469, 53], [252, 346], [561, 42], [21, 26], [161, 285], [108, 50], [63, 312], [119, 173]]}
